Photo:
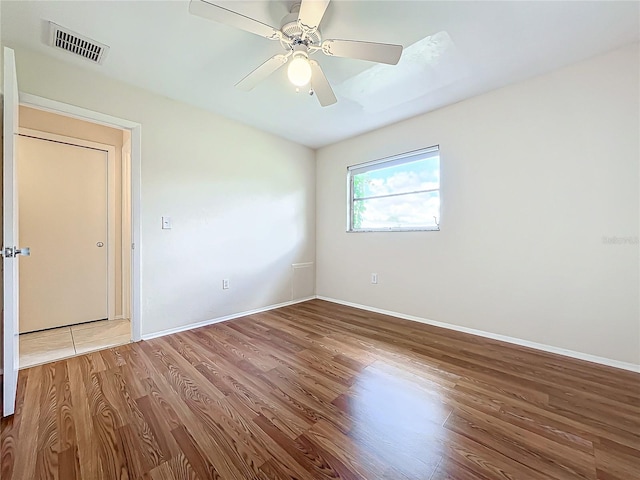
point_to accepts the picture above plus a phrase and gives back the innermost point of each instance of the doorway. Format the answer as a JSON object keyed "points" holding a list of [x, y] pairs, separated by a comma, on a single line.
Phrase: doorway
{"points": [[75, 289], [11, 250]]}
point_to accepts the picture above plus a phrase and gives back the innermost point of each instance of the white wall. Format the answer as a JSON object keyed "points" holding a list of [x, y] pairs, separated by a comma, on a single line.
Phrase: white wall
{"points": [[1, 150], [242, 201], [534, 175]]}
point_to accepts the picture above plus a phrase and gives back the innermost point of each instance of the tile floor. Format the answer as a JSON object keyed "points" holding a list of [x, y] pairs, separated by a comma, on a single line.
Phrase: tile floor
{"points": [[63, 342]]}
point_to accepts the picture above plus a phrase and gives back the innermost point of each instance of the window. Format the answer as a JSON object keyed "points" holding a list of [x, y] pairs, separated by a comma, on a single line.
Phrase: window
{"points": [[398, 193]]}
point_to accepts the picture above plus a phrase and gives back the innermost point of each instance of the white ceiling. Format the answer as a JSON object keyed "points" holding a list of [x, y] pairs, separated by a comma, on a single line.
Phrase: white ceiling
{"points": [[159, 46]]}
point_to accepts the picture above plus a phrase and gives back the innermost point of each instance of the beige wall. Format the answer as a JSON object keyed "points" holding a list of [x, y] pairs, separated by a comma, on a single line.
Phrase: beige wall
{"points": [[242, 201], [74, 128], [536, 177]]}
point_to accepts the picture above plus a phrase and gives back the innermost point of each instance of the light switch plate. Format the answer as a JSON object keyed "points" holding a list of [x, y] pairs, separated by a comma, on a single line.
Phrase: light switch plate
{"points": [[166, 223]]}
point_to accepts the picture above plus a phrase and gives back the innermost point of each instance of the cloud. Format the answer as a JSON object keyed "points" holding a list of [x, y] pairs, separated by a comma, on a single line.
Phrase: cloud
{"points": [[410, 210], [407, 210]]}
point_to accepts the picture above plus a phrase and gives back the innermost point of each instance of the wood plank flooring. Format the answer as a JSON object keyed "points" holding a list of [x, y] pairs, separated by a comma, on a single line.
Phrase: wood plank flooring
{"points": [[322, 391]]}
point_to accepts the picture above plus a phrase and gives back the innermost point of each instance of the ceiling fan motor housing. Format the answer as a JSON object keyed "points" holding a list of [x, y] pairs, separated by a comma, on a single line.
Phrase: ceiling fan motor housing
{"points": [[291, 29]]}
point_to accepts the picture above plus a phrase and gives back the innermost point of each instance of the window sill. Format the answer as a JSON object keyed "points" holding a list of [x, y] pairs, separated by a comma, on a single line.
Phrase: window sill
{"points": [[425, 229]]}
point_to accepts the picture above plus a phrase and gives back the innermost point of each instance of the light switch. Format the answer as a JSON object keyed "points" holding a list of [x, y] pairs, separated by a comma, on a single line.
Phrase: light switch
{"points": [[166, 223]]}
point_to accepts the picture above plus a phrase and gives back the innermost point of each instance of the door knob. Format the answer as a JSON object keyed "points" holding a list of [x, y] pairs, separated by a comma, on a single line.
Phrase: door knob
{"points": [[100, 244], [11, 252]]}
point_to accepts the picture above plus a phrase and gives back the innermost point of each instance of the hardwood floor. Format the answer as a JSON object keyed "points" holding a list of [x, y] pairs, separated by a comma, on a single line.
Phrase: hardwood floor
{"points": [[318, 390]]}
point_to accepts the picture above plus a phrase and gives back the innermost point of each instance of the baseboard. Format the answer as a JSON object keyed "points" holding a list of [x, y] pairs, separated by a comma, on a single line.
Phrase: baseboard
{"points": [[204, 323], [494, 336]]}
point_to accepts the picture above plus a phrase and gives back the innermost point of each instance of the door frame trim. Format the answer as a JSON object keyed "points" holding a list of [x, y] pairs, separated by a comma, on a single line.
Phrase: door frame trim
{"points": [[110, 150], [135, 129]]}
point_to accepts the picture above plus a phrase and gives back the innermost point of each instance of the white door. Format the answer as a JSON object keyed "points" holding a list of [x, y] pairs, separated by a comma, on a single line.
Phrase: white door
{"points": [[63, 219], [10, 235]]}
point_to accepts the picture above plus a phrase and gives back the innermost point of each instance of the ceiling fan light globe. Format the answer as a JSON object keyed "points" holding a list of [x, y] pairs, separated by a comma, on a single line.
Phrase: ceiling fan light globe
{"points": [[299, 71]]}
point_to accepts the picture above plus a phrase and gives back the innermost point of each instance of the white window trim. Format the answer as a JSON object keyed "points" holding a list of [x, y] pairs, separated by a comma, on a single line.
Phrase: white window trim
{"points": [[388, 162]]}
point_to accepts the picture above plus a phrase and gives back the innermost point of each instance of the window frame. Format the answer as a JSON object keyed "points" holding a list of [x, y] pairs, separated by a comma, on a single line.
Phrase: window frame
{"points": [[385, 162]]}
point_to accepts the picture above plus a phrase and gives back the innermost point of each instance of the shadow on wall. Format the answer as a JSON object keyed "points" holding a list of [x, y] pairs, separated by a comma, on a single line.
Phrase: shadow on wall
{"points": [[254, 244]]}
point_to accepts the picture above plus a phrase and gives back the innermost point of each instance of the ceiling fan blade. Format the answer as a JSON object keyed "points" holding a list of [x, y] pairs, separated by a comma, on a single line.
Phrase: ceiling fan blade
{"points": [[374, 52], [320, 85], [220, 14], [262, 72], [311, 13]]}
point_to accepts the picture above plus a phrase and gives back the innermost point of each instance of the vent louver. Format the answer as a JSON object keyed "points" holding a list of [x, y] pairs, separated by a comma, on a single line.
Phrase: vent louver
{"points": [[72, 42]]}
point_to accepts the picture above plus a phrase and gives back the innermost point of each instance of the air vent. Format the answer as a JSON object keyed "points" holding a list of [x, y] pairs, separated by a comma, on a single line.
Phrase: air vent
{"points": [[77, 44]]}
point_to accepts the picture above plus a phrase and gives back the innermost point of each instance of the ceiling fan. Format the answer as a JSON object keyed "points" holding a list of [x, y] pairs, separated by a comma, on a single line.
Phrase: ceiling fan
{"points": [[299, 35]]}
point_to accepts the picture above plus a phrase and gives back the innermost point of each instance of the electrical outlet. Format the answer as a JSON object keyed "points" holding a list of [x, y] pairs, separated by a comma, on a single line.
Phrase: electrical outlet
{"points": [[374, 278], [225, 284]]}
